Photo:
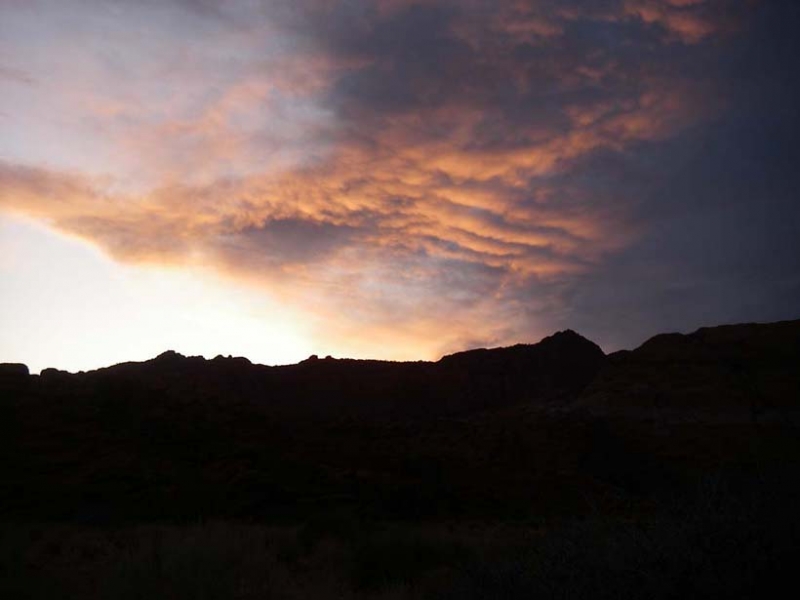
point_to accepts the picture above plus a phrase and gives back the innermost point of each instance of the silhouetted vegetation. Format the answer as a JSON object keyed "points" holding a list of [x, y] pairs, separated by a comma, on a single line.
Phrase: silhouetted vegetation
{"points": [[712, 544]]}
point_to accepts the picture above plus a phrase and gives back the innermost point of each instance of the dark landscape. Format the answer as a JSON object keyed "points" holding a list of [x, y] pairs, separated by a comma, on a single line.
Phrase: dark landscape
{"points": [[545, 470]]}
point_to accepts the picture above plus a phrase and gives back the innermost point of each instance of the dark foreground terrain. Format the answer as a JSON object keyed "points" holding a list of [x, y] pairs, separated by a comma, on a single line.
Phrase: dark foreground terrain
{"points": [[547, 470]]}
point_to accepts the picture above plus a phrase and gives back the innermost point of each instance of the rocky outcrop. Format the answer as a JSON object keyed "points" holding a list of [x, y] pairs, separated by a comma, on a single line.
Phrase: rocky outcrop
{"points": [[12, 370], [14, 378], [749, 371], [556, 368]]}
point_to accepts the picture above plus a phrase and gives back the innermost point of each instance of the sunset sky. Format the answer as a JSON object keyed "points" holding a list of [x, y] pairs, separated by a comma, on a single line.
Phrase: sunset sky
{"points": [[391, 178]]}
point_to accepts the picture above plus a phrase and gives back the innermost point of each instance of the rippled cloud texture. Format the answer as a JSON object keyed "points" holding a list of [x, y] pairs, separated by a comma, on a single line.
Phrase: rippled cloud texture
{"points": [[450, 173]]}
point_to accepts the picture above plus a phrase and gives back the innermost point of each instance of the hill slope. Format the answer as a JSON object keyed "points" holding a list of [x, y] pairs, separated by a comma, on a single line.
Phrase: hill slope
{"points": [[742, 372], [554, 427]]}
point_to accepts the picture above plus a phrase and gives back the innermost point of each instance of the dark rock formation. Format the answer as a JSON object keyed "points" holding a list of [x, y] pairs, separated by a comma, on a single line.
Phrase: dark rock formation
{"points": [[14, 378], [556, 368], [530, 429], [12, 370], [733, 371]]}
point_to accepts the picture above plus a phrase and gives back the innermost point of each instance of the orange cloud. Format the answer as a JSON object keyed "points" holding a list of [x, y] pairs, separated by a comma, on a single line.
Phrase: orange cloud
{"points": [[382, 183], [688, 20]]}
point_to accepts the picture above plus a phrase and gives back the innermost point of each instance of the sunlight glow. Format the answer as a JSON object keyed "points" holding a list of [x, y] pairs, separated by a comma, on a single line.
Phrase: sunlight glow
{"points": [[92, 311]]}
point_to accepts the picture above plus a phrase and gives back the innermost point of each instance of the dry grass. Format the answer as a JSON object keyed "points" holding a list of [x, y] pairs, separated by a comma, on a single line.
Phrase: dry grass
{"points": [[717, 547]]}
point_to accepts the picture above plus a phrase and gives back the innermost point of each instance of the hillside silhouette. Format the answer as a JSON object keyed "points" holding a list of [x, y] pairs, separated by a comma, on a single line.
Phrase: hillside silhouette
{"points": [[547, 470], [548, 428]]}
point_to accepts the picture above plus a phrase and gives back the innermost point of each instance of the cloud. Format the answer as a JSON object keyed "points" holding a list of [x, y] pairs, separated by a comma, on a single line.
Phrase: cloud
{"points": [[13, 75], [440, 170]]}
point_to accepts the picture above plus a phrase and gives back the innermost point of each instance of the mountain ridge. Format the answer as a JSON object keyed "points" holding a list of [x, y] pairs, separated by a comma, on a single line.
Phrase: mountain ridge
{"points": [[556, 367], [550, 428], [169, 353]]}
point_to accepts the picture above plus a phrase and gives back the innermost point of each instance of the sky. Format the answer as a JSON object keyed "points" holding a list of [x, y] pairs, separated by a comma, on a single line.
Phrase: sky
{"points": [[395, 179]]}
